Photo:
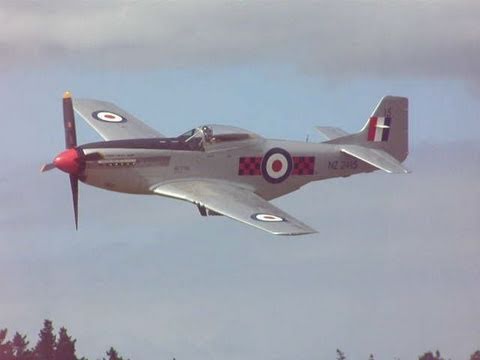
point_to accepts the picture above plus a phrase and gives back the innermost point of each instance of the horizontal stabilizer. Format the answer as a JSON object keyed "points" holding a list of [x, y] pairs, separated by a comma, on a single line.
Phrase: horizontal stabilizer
{"points": [[378, 158], [331, 132]]}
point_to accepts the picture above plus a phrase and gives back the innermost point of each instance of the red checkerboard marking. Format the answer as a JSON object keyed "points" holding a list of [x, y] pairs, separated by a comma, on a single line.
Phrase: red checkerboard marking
{"points": [[250, 165], [303, 165]]}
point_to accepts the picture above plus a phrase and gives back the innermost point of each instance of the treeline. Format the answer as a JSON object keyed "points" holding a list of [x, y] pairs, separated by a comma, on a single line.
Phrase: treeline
{"points": [[426, 356], [62, 347], [48, 347]]}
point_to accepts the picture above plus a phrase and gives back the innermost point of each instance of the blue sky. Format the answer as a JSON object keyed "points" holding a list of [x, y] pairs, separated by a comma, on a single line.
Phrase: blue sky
{"points": [[394, 269]]}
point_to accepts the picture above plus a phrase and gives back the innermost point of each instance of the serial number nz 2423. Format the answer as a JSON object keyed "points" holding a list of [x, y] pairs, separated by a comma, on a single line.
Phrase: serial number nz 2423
{"points": [[342, 164]]}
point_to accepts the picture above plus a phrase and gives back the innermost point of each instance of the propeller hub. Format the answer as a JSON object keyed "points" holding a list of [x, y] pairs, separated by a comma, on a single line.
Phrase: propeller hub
{"points": [[68, 161]]}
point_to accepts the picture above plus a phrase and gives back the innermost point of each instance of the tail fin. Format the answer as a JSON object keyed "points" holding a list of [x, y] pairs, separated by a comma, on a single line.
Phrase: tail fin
{"points": [[386, 129]]}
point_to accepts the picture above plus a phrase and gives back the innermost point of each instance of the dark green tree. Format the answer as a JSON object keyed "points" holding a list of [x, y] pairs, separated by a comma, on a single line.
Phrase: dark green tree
{"points": [[113, 355], [45, 348], [6, 352], [65, 349], [20, 347], [475, 355], [340, 355], [430, 356]]}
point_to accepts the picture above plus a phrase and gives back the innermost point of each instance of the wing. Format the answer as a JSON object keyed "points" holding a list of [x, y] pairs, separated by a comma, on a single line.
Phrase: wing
{"points": [[237, 203], [375, 157], [111, 122]]}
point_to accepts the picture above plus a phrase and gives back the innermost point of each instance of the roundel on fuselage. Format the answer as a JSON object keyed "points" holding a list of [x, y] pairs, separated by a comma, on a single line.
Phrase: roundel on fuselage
{"points": [[276, 165]]}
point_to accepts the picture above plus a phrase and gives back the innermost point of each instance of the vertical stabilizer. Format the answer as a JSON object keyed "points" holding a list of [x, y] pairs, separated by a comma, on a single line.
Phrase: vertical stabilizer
{"points": [[386, 129]]}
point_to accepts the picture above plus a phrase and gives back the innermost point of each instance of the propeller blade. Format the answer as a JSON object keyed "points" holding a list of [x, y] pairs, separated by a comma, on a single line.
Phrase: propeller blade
{"points": [[47, 167], [74, 186], [69, 121]]}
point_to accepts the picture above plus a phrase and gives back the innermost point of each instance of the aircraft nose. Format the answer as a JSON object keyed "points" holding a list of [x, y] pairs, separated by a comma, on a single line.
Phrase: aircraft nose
{"points": [[68, 161]]}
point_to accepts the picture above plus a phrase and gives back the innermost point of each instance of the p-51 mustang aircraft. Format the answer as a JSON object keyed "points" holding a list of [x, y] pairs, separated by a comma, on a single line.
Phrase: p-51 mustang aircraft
{"points": [[225, 170]]}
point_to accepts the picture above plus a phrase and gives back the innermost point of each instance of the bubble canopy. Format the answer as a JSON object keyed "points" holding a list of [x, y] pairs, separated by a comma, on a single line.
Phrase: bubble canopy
{"points": [[218, 134]]}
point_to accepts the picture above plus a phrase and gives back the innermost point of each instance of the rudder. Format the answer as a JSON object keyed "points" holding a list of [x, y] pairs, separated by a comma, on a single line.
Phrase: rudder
{"points": [[386, 128]]}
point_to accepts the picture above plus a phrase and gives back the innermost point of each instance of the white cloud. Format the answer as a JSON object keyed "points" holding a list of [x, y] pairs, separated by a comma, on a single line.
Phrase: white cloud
{"points": [[332, 38]]}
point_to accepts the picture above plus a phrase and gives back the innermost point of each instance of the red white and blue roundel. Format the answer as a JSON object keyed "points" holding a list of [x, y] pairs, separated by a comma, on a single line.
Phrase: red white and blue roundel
{"points": [[108, 116], [267, 217], [276, 165]]}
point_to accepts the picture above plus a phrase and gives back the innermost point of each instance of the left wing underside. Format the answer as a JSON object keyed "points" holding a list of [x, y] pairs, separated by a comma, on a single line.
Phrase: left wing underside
{"points": [[111, 122], [235, 202]]}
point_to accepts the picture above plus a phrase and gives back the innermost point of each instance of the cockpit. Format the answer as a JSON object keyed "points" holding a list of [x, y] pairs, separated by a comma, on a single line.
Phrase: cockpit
{"points": [[202, 138], [207, 135]]}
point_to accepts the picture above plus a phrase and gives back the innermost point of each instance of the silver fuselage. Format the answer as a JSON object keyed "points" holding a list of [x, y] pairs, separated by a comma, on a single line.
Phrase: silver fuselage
{"points": [[137, 170]]}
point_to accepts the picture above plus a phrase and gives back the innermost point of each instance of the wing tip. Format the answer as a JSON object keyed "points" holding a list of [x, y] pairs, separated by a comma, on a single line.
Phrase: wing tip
{"points": [[403, 170], [297, 233]]}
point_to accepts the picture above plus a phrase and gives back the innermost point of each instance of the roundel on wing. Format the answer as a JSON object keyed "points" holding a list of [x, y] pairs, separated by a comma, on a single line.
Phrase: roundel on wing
{"points": [[108, 116], [267, 217], [276, 165]]}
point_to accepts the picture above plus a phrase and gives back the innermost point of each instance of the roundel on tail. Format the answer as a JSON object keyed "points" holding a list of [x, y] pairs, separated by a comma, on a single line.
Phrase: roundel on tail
{"points": [[277, 165]]}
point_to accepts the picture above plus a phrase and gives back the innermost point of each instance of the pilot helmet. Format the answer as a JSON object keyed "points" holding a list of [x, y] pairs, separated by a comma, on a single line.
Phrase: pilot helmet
{"points": [[207, 132]]}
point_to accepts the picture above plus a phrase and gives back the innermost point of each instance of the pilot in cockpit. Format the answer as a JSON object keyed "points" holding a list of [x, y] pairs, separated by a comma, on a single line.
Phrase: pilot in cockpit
{"points": [[207, 134]]}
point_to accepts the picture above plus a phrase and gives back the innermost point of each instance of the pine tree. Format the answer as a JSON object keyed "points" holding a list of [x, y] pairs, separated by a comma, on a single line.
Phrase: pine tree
{"points": [[113, 354], [475, 355], [6, 352], [65, 349], [427, 356], [340, 355], [430, 356], [20, 347], [45, 349]]}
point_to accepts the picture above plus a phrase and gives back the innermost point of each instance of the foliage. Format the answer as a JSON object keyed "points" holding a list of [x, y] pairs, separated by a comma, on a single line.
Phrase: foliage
{"points": [[65, 349], [475, 355], [430, 356], [340, 355], [113, 354], [49, 347], [45, 349], [20, 347], [5, 346]]}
